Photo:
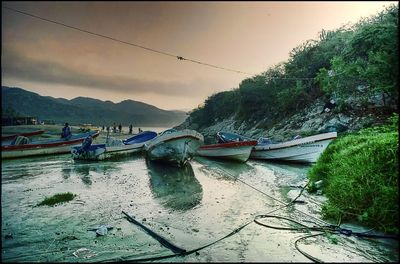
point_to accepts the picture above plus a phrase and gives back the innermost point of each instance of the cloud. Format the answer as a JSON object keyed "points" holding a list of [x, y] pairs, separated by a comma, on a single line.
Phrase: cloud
{"points": [[18, 65]]}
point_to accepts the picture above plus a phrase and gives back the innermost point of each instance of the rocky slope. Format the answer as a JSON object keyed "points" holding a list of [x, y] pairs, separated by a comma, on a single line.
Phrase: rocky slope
{"points": [[309, 121]]}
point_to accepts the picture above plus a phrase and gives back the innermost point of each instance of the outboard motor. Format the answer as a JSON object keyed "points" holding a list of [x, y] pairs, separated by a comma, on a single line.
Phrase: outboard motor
{"points": [[86, 144]]}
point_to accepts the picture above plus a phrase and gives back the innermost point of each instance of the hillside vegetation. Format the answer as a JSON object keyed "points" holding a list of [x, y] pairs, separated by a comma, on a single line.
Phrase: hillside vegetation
{"points": [[355, 64]]}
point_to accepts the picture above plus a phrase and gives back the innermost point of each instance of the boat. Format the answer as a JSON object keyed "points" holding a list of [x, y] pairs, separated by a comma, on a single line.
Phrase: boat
{"points": [[8, 140], [44, 147], [175, 147], [235, 151], [114, 148], [305, 150]]}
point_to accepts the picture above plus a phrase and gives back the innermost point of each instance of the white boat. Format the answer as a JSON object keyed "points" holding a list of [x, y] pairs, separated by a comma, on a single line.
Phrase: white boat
{"points": [[176, 147], [306, 149], [114, 149], [44, 147], [236, 151]]}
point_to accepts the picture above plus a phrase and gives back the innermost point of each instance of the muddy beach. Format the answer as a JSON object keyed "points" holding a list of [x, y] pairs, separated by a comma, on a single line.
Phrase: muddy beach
{"points": [[191, 207]]}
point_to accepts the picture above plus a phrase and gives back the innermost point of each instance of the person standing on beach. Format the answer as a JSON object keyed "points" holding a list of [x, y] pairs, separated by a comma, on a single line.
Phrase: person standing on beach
{"points": [[114, 128], [130, 129], [120, 128]]}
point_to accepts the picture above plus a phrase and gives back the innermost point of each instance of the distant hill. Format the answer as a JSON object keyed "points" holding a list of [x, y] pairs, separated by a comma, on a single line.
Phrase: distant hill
{"points": [[87, 110]]}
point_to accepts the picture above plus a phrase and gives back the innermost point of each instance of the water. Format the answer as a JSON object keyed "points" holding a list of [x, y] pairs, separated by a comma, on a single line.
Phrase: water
{"points": [[190, 207]]}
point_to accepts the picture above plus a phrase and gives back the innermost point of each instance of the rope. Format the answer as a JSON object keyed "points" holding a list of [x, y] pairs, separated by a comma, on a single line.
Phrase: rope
{"points": [[334, 229], [123, 42], [148, 49]]}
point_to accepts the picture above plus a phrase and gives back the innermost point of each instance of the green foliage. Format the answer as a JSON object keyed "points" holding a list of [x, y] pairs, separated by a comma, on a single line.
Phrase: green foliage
{"points": [[359, 61], [370, 60], [57, 198], [360, 175]]}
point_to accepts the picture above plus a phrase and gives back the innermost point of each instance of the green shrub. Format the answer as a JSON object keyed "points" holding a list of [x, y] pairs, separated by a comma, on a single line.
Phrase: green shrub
{"points": [[360, 178]]}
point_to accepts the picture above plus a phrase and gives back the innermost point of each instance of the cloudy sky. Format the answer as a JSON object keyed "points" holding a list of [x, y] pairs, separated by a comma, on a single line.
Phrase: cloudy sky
{"points": [[250, 37]]}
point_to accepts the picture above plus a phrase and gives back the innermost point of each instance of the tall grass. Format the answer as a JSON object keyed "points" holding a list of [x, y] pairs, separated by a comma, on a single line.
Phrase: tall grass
{"points": [[360, 177]]}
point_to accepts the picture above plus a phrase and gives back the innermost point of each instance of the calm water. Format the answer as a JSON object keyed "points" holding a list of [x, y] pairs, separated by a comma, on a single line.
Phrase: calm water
{"points": [[191, 207]]}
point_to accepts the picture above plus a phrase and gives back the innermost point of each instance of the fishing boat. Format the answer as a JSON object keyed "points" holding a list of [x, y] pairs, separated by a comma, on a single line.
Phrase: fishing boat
{"points": [[306, 150], [8, 139], [44, 147], [235, 151], [112, 149], [175, 147]]}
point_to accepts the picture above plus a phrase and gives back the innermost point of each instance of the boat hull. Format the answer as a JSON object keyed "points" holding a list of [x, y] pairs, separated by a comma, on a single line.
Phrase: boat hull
{"points": [[105, 152], [235, 151], [56, 146], [19, 153], [176, 148], [126, 147], [304, 150]]}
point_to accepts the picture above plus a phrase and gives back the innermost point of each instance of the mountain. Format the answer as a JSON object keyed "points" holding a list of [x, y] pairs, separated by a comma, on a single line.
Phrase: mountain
{"points": [[87, 110]]}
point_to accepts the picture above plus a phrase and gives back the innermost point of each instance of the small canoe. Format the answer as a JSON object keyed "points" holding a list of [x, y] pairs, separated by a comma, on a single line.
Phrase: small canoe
{"points": [[44, 147], [236, 151], [174, 147], [125, 147]]}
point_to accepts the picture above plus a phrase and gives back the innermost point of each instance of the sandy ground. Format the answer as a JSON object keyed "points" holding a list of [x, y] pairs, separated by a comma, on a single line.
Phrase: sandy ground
{"points": [[191, 207]]}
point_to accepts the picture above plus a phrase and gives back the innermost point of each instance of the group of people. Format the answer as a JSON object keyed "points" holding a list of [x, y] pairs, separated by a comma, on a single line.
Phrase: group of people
{"points": [[114, 128]]}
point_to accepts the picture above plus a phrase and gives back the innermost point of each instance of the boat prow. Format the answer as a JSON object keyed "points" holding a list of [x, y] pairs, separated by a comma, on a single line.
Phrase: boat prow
{"points": [[175, 147]]}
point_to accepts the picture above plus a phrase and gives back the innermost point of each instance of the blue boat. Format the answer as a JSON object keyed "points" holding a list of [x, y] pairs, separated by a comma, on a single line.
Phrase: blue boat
{"points": [[114, 149]]}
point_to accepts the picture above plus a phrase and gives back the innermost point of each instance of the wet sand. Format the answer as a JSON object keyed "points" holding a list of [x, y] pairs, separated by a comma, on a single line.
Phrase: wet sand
{"points": [[191, 207]]}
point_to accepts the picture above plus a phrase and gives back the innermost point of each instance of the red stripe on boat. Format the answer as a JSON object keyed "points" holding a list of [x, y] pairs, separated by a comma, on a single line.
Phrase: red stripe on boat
{"points": [[231, 144], [29, 134], [44, 145]]}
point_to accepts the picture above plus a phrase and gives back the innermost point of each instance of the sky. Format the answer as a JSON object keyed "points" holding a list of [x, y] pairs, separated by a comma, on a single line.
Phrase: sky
{"points": [[249, 37]]}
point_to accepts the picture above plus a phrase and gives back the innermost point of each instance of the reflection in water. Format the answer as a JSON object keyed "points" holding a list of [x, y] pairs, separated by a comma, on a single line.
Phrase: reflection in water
{"points": [[230, 170], [286, 168], [83, 169], [66, 172], [176, 187]]}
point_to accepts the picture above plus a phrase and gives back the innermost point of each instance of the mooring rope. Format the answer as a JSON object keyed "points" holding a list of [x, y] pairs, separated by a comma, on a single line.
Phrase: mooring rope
{"points": [[323, 229]]}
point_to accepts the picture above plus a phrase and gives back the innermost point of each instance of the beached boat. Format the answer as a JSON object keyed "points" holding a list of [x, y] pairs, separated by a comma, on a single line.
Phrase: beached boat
{"points": [[236, 151], [122, 148], [306, 149], [176, 147], [44, 147], [8, 139]]}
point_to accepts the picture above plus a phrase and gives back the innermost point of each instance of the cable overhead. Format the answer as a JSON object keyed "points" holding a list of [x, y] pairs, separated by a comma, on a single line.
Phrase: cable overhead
{"points": [[124, 42]]}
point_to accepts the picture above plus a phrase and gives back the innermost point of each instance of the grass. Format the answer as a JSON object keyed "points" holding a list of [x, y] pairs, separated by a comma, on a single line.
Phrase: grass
{"points": [[360, 177], [57, 198]]}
